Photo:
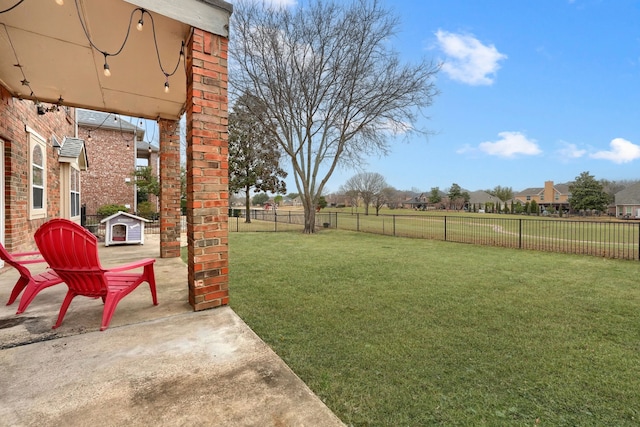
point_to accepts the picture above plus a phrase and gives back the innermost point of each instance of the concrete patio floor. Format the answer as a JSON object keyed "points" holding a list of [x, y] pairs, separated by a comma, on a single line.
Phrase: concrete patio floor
{"points": [[159, 365]]}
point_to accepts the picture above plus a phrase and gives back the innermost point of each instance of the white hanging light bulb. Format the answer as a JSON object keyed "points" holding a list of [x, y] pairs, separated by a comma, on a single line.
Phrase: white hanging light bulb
{"points": [[140, 23], [107, 71], [60, 2]]}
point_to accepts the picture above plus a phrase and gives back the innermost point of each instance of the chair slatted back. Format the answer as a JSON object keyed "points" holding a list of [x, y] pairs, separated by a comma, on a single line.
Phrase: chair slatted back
{"points": [[72, 251]]}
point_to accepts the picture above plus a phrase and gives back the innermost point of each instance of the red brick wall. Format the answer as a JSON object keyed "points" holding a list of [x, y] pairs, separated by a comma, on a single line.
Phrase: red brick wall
{"points": [[153, 162], [207, 170], [15, 114], [110, 162], [169, 188]]}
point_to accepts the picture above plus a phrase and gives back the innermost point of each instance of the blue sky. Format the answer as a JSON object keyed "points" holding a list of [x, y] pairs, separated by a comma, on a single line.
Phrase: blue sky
{"points": [[531, 90]]}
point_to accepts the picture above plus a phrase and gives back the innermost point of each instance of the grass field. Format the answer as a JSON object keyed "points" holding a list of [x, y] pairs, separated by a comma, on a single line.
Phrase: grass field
{"points": [[393, 331], [598, 236]]}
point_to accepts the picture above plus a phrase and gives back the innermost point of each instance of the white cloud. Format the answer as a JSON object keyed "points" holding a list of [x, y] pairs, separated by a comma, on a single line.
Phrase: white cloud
{"points": [[466, 148], [468, 60], [622, 151], [570, 151], [510, 145]]}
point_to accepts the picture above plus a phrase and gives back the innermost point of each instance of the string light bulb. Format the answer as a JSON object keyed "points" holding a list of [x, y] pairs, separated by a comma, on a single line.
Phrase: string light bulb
{"points": [[166, 84], [182, 52], [115, 118], [89, 137], [60, 2], [140, 23], [107, 71]]}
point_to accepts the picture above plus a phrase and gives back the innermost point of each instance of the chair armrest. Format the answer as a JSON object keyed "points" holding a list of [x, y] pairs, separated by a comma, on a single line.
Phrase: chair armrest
{"points": [[18, 254], [130, 266], [27, 261]]}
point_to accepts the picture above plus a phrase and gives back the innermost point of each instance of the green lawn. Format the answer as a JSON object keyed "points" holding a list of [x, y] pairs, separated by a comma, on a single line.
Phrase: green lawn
{"points": [[393, 331]]}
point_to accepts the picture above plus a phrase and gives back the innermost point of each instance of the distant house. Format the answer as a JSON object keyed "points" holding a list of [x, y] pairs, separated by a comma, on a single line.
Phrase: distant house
{"points": [[480, 199], [420, 202], [114, 148], [627, 202], [550, 197]]}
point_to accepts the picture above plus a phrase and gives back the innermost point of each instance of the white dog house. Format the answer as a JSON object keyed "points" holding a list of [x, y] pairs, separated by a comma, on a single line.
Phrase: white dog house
{"points": [[123, 228]]}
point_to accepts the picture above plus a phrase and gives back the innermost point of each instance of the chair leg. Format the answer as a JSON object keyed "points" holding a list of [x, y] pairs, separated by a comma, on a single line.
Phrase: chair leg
{"points": [[65, 305], [111, 301], [17, 288], [151, 278], [29, 294]]}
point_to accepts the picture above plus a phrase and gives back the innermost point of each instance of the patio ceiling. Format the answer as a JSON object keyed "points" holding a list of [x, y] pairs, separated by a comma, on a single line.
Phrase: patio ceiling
{"points": [[57, 60]]}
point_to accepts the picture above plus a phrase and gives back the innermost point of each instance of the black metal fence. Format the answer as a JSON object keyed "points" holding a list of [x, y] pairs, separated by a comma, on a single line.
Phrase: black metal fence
{"points": [[608, 239]]}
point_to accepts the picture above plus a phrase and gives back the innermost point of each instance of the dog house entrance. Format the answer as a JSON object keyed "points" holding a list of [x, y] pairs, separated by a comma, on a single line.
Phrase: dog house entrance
{"points": [[119, 232]]}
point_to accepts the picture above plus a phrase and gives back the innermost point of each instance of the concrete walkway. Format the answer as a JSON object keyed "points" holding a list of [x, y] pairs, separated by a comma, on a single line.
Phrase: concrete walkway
{"points": [[159, 365]]}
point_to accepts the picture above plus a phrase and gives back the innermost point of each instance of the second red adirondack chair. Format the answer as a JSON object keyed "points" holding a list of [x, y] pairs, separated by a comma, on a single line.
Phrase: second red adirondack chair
{"points": [[31, 283]]}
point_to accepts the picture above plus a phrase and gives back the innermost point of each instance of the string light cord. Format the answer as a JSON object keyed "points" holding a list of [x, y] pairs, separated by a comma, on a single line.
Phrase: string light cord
{"points": [[126, 38], [24, 82], [11, 8], [155, 42], [55, 107]]}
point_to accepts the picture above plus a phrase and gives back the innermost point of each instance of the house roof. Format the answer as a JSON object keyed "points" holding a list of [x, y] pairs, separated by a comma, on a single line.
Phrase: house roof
{"points": [[120, 213], [481, 196], [72, 150], [99, 120], [562, 188], [143, 147], [530, 191], [628, 196]]}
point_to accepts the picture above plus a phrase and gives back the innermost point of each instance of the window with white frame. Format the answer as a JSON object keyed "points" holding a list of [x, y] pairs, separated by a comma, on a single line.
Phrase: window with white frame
{"points": [[75, 192], [37, 176]]}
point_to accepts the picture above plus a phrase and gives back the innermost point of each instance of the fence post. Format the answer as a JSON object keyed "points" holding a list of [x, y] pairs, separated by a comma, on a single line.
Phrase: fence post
{"points": [[357, 222], [394, 225], [445, 228], [520, 233], [336, 221]]}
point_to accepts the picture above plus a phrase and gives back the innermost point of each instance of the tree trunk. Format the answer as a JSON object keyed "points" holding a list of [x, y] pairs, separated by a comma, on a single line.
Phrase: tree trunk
{"points": [[309, 217], [310, 222], [247, 205]]}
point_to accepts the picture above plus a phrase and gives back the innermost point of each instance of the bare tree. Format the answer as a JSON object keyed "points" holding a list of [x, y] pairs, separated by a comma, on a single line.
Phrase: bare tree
{"points": [[369, 186], [334, 89], [254, 158], [393, 198]]}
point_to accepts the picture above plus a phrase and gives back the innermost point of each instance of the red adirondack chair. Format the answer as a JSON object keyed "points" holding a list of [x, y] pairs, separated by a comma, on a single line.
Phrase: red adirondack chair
{"points": [[72, 252], [32, 284]]}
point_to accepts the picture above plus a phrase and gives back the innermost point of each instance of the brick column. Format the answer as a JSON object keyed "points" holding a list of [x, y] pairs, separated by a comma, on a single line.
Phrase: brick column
{"points": [[207, 170], [169, 188]]}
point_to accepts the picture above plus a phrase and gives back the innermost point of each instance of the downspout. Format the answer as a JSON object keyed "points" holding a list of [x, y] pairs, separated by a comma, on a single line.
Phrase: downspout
{"points": [[135, 165]]}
